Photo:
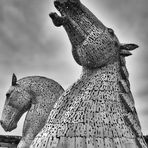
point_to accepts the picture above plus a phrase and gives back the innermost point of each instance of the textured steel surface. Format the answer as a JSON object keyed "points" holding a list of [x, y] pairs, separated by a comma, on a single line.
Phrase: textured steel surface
{"points": [[34, 95], [98, 110]]}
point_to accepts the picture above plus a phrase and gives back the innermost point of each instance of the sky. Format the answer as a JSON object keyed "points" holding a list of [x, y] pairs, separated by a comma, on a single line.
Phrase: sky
{"points": [[31, 45]]}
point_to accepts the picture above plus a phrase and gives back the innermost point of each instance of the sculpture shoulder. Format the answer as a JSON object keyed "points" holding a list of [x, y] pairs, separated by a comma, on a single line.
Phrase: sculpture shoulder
{"points": [[37, 79]]}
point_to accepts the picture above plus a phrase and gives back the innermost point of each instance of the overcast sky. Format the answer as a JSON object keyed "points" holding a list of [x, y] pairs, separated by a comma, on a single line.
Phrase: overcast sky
{"points": [[31, 45]]}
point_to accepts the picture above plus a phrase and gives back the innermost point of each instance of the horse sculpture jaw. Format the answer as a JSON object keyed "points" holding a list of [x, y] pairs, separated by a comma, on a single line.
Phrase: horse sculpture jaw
{"points": [[8, 128]]}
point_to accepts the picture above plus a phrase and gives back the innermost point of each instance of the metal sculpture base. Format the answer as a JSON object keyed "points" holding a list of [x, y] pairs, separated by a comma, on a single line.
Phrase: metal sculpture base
{"points": [[12, 141], [7, 141]]}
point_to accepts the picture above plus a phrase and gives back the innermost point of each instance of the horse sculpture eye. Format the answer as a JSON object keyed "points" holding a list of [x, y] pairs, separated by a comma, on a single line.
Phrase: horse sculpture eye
{"points": [[8, 95], [111, 31]]}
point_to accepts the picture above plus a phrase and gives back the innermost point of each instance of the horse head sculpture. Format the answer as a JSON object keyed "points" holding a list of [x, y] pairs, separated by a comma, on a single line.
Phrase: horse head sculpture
{"points": [[34, 94], [93, 44]]}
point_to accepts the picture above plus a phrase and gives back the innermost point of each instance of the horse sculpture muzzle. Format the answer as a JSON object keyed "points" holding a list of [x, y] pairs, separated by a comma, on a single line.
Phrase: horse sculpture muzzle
{"points": [[74, 16], [9, 118]]}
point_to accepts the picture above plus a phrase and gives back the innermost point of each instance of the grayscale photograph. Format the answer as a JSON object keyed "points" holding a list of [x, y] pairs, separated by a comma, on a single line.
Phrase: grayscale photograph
{"points": [[73, 74]]}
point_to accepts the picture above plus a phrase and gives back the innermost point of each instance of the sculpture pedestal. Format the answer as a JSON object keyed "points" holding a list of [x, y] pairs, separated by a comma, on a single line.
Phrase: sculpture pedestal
{"points": [[7, 141]]}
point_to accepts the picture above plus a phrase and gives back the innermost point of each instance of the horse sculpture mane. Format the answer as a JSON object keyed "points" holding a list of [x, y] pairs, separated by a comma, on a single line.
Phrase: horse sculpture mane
{"points": [[98, 110], [34, 94]]}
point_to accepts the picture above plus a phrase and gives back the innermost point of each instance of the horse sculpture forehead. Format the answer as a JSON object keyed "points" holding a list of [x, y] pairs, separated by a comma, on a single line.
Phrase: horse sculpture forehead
{"points": [[18, 87]]}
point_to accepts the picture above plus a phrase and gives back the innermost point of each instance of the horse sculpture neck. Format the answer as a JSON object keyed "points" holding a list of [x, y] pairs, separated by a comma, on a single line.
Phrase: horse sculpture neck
{"points": [[113, 82], [44, 94], [109, 68], [98, 109]]}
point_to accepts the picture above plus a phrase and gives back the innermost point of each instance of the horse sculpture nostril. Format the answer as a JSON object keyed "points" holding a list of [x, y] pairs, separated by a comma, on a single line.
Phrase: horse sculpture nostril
{"points": [[1, 122]]}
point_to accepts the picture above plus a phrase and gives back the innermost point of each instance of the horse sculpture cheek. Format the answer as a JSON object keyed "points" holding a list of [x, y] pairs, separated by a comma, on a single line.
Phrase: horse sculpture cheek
{"points": [[37, 96]]}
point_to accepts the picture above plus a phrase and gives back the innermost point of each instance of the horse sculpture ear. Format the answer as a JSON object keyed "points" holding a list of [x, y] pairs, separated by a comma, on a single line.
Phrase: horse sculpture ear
{"points": [[126, 48], [14, 79]]}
